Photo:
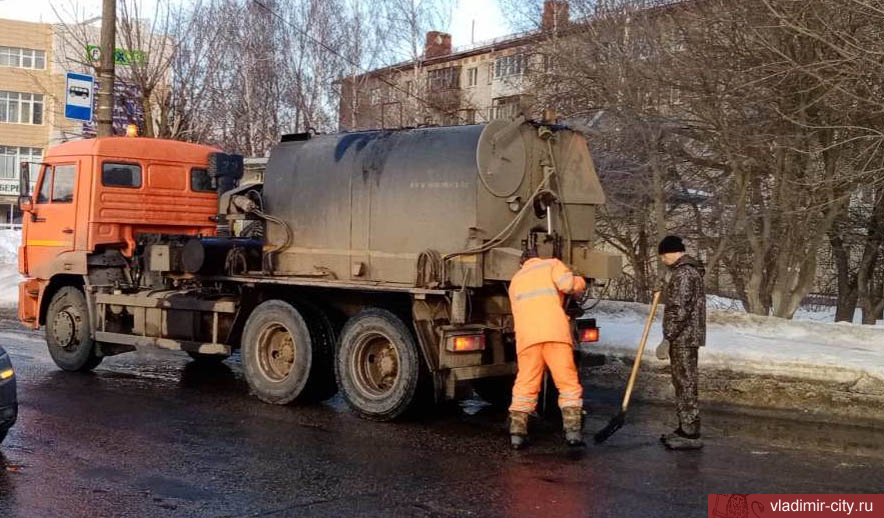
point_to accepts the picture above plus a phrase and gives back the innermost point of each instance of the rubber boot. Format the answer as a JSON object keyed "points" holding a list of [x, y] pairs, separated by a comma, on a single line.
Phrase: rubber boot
{"points": [[518, 429], [678, 432], [679, 440], [572, 422]]}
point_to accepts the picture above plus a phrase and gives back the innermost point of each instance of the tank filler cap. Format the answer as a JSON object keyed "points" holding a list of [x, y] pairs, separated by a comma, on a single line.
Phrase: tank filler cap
{"points": [[501, 157]]}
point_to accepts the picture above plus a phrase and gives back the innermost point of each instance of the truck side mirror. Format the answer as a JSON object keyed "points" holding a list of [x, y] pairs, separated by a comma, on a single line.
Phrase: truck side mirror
{"points": [[25, 203]]}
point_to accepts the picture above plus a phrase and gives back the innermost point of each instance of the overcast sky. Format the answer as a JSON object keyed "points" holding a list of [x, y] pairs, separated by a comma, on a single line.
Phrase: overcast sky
{"points": [[489, 21]]}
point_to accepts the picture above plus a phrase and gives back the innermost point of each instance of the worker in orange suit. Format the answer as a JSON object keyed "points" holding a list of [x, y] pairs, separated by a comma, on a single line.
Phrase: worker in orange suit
{"points": [[544, 340]]}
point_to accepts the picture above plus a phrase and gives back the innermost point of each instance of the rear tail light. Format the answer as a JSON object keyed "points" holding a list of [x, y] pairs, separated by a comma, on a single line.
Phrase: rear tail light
{"points": [[590, 334], [465, 343], [587, 331]]}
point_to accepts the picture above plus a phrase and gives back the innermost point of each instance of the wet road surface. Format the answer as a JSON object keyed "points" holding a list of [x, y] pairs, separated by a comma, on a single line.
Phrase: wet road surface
{"points": [[152, 434]]}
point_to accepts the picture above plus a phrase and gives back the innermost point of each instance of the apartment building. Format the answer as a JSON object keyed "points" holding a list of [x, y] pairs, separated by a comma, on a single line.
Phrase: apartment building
{"points": [[27, 83], [450, 85], [34, 61]]}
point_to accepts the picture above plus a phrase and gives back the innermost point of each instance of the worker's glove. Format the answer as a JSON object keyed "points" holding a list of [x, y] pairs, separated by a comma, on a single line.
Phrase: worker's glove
{"points": [[663, 350]]}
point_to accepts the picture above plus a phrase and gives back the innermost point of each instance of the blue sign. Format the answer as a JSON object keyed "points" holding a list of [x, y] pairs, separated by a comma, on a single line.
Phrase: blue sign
{"points": [[79, 91]]}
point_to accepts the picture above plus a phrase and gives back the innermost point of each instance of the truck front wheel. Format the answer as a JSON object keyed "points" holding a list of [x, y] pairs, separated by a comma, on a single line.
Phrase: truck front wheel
{"points": [[67, 331], [377, 365], [277, 352]]}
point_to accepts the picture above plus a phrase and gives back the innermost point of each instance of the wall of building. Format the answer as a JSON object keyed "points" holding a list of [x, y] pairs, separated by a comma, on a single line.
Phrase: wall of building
{"points": [[475, 98], [24, 141]]}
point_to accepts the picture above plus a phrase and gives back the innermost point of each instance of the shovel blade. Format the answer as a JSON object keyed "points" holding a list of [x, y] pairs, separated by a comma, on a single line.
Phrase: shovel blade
{"points": [[615, 424]]}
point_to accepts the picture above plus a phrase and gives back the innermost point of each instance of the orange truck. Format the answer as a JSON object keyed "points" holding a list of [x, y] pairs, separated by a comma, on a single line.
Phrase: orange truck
{"points": [[374, 263]]}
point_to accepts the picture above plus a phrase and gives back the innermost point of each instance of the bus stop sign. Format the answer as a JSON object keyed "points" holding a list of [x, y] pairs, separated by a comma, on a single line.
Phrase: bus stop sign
{"points": [[78, 97]]}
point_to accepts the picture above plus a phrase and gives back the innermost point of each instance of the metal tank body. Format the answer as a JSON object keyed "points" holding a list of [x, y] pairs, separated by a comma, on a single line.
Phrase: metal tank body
{"points": [[362, 206]]}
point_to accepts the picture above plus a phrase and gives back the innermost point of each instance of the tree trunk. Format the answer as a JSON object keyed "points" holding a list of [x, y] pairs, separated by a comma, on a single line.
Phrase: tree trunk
{"points": [[105, 115], [845, 306], [642, 275], [147, 114]]}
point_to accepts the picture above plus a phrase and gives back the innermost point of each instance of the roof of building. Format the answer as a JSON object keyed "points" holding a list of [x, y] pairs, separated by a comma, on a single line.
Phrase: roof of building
{"points": [[484, 47], [509, 41], [134, 147]]}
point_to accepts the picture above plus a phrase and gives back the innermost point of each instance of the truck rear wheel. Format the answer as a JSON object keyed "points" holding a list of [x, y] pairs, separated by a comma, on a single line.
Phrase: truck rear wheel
{"points": [[67, 331], [277, 352], [377, 365]]}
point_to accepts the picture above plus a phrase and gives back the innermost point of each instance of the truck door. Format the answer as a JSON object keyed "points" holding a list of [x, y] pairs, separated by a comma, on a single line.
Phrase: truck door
{"points": [[51, 229]]}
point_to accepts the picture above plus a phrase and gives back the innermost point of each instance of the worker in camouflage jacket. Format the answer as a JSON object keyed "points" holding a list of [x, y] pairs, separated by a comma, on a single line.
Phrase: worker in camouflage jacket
{"points": [[684, 332]]}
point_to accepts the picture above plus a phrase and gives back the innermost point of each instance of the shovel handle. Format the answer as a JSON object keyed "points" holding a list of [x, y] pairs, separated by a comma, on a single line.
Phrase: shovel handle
{"points": [[641, 349]]}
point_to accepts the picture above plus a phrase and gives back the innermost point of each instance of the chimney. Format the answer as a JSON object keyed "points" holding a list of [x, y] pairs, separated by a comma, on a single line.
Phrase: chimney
{"points": [[555, 15], [438, 44]]}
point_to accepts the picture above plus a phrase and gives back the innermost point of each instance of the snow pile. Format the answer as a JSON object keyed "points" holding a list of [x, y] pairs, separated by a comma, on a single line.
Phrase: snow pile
{"points": [[814, 314], [9, 276], [758, 345]]}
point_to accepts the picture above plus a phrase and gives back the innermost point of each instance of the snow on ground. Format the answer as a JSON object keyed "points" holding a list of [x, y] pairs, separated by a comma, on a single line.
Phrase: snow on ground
{"points": [[759, 345], [814, 314], [9, 276]]}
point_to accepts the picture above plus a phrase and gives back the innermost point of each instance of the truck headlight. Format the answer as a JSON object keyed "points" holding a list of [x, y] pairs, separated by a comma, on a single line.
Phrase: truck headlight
{"points": [[5, 374]]}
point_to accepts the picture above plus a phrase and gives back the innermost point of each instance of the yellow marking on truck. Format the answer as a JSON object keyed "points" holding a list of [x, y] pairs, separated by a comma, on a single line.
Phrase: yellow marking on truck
{"points": [[47, 242]]}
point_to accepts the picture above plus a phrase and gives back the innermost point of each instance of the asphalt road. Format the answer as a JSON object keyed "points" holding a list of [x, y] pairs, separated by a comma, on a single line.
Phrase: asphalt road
{"points": [[151, 434]]}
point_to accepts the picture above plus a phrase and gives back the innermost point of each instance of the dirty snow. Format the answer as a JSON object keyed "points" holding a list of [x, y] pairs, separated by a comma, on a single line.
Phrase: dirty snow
{"points": [[9, 276], [739, 342]]}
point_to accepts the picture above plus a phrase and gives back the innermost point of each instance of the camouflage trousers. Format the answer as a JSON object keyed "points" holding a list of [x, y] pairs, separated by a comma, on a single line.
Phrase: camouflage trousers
{"points": [[685, 378]]}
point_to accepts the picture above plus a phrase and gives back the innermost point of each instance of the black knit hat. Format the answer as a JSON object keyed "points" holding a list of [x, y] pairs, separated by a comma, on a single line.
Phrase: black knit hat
{"points": [[670, 244]]}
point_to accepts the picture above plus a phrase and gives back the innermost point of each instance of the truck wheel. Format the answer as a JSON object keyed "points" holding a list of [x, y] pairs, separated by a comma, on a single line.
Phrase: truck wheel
{"points": [[67, 331], [322, 337], [277, 352], [377, 365]]}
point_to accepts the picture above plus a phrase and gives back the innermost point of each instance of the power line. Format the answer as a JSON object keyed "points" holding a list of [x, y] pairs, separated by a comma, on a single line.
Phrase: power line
{"points": [[427, 103]]}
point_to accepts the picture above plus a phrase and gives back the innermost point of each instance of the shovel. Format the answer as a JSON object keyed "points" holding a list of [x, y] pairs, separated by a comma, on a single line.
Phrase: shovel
{"points": [[617, 422]]}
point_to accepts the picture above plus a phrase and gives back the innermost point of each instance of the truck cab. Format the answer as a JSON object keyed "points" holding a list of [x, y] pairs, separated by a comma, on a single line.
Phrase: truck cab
{"points": [[93, 197]]}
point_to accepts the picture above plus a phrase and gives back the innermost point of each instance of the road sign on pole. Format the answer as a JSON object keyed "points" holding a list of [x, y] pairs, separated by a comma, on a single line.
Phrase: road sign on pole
{"points": [[78, 97]]}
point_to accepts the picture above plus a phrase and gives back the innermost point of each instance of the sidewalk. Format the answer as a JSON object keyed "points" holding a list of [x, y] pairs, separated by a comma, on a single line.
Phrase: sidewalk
{"points": [[814, 368]]}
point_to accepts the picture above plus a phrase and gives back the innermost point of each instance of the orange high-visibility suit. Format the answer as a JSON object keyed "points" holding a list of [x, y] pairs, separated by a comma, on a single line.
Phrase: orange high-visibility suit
{"points": [[543, 332]]}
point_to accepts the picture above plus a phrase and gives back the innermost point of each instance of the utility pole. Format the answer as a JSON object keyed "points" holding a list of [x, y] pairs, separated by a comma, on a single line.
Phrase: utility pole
{"points": [[105, 115]]}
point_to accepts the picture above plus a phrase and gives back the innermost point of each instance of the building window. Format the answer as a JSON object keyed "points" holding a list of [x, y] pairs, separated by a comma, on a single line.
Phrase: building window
{"points": [[22, 58], [514, 65], [444, 78], [409, 88], [374, 96], [11, 158], [472, 76], [468, 116], [21, 108], [505, 107]]}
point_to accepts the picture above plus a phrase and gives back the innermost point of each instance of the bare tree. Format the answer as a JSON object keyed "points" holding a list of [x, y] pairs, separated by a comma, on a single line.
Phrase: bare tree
{"points": [[150, 47], [754, 119]]}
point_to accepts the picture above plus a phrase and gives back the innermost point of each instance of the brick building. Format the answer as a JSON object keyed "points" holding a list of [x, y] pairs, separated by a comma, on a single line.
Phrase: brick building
{"points": [[448, 85]]}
